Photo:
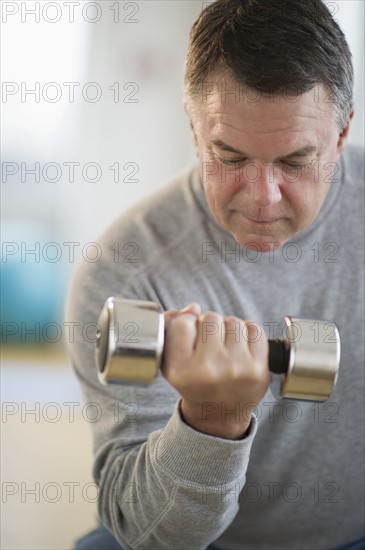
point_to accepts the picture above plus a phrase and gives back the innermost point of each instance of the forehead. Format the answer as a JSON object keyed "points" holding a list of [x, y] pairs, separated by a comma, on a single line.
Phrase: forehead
{"points": [[229, 111]]}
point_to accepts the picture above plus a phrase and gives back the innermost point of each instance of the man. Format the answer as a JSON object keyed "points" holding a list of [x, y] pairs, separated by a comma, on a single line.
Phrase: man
{"points": [[269, 222]]}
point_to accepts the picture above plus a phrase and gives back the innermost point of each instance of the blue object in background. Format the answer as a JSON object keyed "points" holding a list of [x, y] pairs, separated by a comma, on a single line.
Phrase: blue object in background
{"points": [[33, 286]]}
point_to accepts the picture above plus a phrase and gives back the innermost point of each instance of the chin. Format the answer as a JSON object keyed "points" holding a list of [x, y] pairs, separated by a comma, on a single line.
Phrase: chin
{"points": [[263, 246], [259, 243], [261, 238]]}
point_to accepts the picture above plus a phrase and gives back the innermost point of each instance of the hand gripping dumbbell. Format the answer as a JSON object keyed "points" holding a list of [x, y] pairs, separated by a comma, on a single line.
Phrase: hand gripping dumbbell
{"points": [[130, 340]]}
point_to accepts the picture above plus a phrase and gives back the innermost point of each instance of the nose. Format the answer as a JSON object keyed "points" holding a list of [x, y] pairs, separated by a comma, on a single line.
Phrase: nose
{"points": [[264, 188]]}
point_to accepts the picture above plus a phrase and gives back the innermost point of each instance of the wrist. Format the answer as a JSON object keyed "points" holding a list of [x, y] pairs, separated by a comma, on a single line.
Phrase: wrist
{"points": [[207, 419]]}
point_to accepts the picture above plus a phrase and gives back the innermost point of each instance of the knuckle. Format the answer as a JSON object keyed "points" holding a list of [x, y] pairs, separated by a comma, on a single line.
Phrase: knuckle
{"points": [[231, 320], [210, 317], [185, 321]]}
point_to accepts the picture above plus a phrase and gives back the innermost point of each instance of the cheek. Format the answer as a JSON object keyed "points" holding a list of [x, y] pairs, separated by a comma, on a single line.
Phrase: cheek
{"points": [[305, 199], [223, 185], [220, 191]]}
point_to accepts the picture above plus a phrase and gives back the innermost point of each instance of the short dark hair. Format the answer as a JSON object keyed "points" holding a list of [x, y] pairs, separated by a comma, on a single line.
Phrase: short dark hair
{"points": [[272, 46]]}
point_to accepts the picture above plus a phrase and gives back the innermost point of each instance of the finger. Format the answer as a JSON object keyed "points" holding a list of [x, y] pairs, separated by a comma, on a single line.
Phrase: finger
{"points": [[193, 309], [180, 338], [210, 332], [168, 315], [234, 333], [257, 342]]}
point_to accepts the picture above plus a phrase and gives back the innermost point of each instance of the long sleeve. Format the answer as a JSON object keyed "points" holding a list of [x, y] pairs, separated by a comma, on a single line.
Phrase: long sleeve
{"points": [[178, 489]]}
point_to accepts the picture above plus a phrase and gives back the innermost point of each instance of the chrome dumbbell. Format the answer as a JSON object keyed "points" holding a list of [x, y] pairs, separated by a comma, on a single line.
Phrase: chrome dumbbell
{"points": [[130, 341]]}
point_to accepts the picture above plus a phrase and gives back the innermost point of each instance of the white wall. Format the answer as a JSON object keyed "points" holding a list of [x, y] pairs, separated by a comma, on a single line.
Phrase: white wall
{"points": [[146, 132]]}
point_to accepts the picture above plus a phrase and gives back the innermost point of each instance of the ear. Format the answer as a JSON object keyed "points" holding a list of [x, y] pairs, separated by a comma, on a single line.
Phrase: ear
{"points": [[194, 136], [344, 135]]}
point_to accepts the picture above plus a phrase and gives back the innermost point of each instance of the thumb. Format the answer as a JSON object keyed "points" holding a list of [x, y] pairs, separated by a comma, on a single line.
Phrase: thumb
{"points": [[193, 309]]}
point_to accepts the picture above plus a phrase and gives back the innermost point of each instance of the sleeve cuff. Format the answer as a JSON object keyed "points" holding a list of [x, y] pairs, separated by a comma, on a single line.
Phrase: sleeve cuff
{"points": [[197, 458]]}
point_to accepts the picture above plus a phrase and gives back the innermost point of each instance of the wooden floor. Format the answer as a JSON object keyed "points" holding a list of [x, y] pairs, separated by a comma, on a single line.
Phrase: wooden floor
{"points": [[48, 497]]}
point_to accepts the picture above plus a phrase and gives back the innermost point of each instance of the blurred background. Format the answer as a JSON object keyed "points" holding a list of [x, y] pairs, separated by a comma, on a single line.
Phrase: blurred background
{"points": [[92, 120]]}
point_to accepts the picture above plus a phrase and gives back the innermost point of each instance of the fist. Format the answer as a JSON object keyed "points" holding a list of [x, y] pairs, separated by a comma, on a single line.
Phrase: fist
{"points": [[215, 360]]}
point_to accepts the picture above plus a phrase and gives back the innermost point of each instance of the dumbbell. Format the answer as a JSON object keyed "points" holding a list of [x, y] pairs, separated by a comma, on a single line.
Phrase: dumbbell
{"points": [[130, 341]]}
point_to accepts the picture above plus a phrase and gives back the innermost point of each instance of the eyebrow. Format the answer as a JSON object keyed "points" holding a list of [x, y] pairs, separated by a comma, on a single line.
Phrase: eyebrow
{"points": [[303, 152]]}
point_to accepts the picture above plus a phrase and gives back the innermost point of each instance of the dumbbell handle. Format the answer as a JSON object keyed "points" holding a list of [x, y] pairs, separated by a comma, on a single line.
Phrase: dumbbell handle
{"points": [[279, 356], [130, 343]]}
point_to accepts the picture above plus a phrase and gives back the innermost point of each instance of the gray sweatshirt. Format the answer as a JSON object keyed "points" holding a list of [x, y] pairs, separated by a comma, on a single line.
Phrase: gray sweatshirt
{"points": [[297, 480]]}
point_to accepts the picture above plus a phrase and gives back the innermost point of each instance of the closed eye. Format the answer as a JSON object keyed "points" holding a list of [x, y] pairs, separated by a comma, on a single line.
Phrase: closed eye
{"points": [[296, 164], [231, 162]]}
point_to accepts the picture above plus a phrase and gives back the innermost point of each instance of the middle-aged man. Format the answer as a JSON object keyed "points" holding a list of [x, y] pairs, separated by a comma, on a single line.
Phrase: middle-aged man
{"points": [[269, 222]]}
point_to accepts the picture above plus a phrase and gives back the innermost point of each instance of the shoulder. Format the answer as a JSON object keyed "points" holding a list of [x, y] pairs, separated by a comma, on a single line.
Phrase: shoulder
{"points": [[161, 216], [161, 225]]}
